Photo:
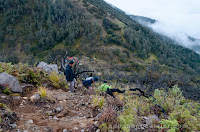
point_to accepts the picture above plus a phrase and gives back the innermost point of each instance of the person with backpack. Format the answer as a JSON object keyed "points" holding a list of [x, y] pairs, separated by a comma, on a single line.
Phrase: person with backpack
{"points": [[70, 76], [106, 89], [88, 82]]}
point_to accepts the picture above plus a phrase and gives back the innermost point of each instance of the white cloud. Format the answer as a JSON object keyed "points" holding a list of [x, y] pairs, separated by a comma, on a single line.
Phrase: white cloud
{"points": [[182, 15], [176, 17]]}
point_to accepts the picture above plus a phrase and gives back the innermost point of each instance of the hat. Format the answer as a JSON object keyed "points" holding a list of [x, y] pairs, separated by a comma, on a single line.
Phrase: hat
{"points": [[104, 81], [96, 79], [71, 62]]}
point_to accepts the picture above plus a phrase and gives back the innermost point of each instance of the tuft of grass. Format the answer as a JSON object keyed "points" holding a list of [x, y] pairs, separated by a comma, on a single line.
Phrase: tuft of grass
{"points": [[6, 107], [7, 91], [42, 91]]}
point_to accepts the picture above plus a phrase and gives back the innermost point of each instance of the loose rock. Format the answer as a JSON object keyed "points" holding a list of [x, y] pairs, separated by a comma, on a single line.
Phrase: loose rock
{"points": [[59, 109], [30, 122], [49, 113], [13, 126], [96, 124], [98, 130], [35, 97], [3, 97], [65, 130], [25, 98], [75, 128], [55, 118]]}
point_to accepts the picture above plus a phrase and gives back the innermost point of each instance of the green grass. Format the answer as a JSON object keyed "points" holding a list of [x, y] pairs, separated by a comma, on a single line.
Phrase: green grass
{"points": [[42, 91]]}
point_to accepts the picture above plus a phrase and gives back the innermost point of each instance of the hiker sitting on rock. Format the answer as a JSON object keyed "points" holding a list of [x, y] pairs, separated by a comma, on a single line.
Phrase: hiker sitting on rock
{"points": [[70, 76], [88, 82], [106, 89]]}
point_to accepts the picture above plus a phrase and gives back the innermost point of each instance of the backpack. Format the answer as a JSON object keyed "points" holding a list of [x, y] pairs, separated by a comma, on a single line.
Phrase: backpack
{"points": [[89, 78]]}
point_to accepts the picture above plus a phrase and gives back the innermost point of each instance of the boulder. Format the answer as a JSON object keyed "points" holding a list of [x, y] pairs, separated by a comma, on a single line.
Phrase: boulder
{"points": [[48, 67], [152, 119], [11, 81]]}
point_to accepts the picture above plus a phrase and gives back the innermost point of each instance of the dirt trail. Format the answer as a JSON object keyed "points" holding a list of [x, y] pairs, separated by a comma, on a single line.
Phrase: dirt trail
{"points": [[66, 112]]}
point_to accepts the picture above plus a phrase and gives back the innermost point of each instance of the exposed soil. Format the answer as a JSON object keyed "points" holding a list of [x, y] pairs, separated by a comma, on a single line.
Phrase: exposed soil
{"points": [[76, 112]]}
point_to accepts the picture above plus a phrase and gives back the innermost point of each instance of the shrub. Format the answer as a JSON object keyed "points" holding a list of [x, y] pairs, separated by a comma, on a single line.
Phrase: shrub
{"points": [[126, 121], [108, 119], [171, 125], [57, 81], [182, 113], [128, 117], [98, 101], [186, 121]]}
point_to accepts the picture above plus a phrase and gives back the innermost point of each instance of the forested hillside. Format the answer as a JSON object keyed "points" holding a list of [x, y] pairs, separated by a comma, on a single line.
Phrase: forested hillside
{"points": [[142, 19], [35, 30]]}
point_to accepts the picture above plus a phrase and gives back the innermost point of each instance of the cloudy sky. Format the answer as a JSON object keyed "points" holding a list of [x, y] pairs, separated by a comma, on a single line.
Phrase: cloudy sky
{"points": [[174, 16]]}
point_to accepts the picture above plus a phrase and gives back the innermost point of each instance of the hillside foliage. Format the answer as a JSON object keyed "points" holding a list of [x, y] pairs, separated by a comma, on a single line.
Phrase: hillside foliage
{"points": [[29, 29], [127, 111], [35, 30]]}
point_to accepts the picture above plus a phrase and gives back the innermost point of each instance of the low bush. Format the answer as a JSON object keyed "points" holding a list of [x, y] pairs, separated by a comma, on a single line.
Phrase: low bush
{"points": [[98, 101], [25, 73], [57, 81]]}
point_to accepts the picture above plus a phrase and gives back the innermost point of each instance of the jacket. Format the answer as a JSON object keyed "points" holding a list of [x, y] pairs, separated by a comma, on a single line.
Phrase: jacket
{"points": [[104, 87], [69, 73]]}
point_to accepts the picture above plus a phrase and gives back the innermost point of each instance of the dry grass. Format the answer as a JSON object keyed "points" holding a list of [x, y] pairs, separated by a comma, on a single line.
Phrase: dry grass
{"points": [[42, 91]]}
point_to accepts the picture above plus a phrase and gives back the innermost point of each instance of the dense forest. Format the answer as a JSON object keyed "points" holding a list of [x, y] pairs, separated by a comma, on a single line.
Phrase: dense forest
{"points": [[31, 31]]}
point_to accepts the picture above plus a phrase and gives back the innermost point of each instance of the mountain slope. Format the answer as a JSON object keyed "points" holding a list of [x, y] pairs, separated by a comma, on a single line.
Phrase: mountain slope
{"points": [[178, 38], [143, 20], [37, 30]]}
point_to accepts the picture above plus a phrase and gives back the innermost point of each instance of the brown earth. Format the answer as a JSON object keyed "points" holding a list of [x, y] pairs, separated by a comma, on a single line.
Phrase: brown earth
{"points": [[76, 114]]}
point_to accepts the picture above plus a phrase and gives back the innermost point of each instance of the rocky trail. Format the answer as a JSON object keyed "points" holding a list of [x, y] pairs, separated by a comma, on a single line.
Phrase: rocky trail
{"points": [[63, 112], [37, 104]]}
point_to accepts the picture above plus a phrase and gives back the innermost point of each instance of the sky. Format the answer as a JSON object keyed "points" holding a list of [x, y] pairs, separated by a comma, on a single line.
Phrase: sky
{"points": [[176, 17]]}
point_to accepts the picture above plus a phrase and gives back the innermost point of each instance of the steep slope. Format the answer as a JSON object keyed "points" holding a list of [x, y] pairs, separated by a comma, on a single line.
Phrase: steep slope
{"points": [[46, 105], [37, 30], [195, 43], [145, 42]]}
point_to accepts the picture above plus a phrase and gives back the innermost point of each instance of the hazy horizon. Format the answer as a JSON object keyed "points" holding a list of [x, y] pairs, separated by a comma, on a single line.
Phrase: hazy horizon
{"points": [[178, 16]]}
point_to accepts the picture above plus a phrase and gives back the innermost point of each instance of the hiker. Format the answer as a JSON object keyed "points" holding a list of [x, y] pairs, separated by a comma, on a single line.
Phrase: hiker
{"points": [[70, 76], [88, 82], [106, 89]]}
